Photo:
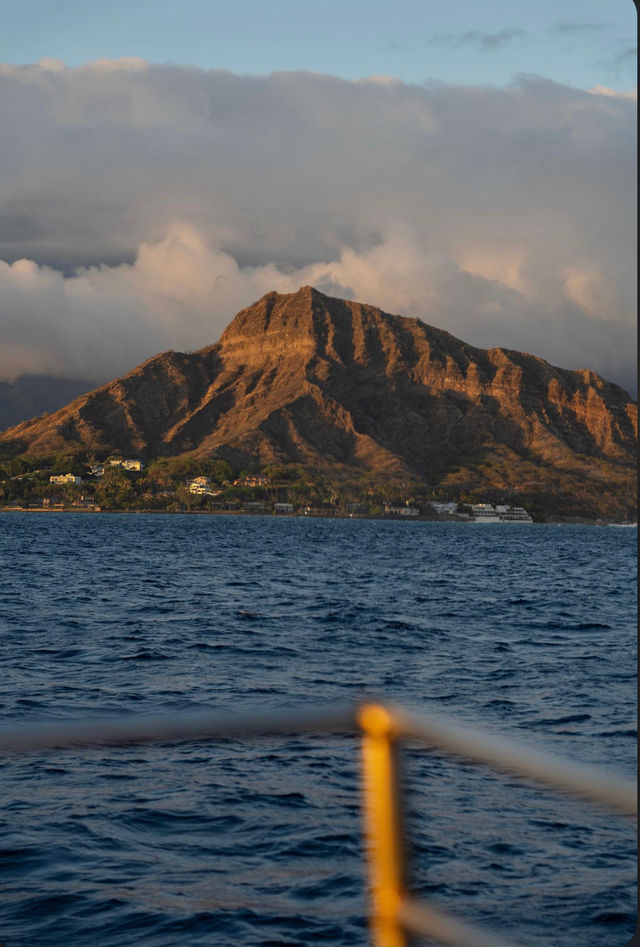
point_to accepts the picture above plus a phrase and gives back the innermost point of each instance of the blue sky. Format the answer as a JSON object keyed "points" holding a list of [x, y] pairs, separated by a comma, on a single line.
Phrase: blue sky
{"points": [[583, 43]]}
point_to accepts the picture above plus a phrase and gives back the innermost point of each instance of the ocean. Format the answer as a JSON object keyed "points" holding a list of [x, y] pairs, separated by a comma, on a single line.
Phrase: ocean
{"points": [[524, 630]]}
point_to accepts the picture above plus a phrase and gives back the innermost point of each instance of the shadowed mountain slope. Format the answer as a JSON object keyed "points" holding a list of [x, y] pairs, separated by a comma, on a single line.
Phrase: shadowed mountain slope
{"points": [[307, 378]]}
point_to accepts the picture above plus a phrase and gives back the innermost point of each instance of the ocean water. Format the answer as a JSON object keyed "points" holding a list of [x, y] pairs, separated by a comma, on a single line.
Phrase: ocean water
{"points": [[524, 630]]}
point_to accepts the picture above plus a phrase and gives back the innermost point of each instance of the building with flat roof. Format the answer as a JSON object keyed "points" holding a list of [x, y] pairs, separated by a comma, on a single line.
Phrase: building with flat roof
{"points": [[65, 478]]}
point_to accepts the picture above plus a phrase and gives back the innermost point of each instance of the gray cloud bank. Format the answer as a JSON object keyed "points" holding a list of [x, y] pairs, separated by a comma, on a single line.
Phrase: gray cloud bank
{"points": [[141, 206]]}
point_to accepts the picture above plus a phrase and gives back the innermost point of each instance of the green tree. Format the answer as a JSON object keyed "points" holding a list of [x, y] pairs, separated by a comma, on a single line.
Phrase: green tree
{"points": [[17, 466], [9, 491], [218, 470], [115, 490], [68, 462]]}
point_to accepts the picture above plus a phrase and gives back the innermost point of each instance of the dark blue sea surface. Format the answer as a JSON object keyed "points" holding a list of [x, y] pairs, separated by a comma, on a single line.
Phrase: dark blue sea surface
{"points": [[524, 630]]}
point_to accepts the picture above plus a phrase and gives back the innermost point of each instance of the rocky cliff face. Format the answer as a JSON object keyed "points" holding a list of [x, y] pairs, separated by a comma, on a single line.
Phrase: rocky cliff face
{"points": [[306, 378]]}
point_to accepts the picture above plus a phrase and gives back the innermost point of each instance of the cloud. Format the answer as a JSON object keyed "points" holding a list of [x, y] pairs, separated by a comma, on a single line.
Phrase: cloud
{"points": [[620, 61], [142, 206], [181, 292], [631, 95], [485, 41], [576, 28]]}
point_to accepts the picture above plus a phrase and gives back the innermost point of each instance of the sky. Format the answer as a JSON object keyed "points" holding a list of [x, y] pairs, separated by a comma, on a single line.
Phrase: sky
{"points": [[579, 42], [163, 165]]}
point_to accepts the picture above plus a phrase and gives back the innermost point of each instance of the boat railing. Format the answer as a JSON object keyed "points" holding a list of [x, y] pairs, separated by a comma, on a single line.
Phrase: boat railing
{"points": [[395, 915]]}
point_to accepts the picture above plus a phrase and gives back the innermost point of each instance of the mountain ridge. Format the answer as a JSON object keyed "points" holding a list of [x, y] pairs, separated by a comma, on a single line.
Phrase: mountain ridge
{"points": [[310, 379]]}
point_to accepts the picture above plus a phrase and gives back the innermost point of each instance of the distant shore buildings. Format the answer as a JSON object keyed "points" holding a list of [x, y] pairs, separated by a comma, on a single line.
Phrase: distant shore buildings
{"points": [[132, 463], [201, 486], [404, 511], [63, 479], [447, 508], [482, 512], [143, 493], [252, 480], [501, 513], [283, 507]]}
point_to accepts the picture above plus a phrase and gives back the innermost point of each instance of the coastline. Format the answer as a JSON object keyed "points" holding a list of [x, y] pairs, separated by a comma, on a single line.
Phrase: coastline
{"points": [[569, 521]]}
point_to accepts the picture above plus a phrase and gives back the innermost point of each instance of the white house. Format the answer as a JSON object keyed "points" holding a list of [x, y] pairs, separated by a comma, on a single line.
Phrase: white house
{"points": [[201, 489], [515, 514], [283, 507], [485, 511], [65, 478], [444, 508], [502, 513]]}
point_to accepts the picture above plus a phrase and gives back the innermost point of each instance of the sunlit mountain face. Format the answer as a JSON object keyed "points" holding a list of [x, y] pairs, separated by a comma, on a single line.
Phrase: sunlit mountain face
{"points": [[308, 379]]}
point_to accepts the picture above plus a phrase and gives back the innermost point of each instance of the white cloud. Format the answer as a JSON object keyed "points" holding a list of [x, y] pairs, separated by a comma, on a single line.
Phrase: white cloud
{"points": [[181, 292], [172, 197], [632, 94]]}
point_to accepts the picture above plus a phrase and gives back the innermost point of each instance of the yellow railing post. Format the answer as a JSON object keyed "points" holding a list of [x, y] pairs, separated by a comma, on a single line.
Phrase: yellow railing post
{"points": [[383, 829]]}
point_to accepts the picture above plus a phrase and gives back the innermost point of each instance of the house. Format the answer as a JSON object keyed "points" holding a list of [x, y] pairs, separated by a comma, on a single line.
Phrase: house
{"points": [[64, 478], [201, 486], [447, 508], [514, 514], [97, 470], [252, 480], [485, 512], [85, 503], [324, 509], [133, 463], [401, 511], [203, 491], [283, 507]]}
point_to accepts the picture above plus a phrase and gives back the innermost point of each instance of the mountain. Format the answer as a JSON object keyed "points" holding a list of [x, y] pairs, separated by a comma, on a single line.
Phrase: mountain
{"points": [[30, 395], [309, 379]]}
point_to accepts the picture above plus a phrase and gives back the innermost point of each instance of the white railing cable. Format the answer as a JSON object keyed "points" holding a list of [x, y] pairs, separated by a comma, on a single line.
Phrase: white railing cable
{"points": [[381, 726], [507, 755], [438, 731], [203, 725], [426, 921]]}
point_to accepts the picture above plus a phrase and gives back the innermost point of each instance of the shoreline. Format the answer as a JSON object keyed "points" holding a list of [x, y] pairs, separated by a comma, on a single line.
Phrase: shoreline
{"points": [[575, 521]]}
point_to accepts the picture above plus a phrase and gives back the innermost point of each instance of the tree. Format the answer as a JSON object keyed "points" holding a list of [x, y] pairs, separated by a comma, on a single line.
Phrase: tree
{"points": [[68, 462], [9, 491], [115, 490], [17, 466], [219, 470]]}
